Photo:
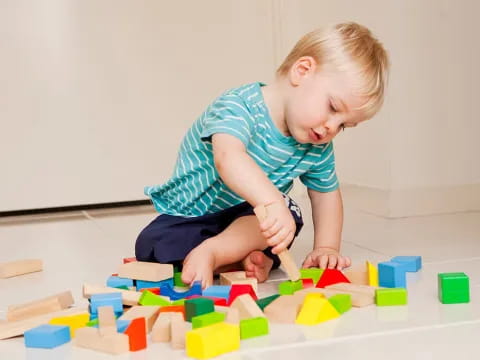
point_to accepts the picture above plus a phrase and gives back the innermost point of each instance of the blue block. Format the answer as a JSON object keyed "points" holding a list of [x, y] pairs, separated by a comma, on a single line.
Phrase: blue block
{"points": [[153, 284], [218, 291], [167, 290], [114, 281], [47, 336], [110, 299], [121, 325], [412, 263], [392, 275]]}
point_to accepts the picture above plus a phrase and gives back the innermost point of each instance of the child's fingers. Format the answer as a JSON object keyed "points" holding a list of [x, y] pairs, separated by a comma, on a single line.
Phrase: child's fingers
{"points": [[283, 244], [341, 263], [323, 262], [278, 237], [332, 261], [267, 223], [272, 230]]}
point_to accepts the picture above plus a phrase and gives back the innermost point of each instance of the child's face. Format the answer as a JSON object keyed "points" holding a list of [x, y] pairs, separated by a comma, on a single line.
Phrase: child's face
{"points": [[320, 106]]}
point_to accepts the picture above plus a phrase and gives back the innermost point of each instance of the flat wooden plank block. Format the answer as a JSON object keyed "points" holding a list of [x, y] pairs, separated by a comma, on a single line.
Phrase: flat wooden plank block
{"points": [[16, 328], [148, 271], [20, 267], [41, 306], [90, 338], [161, 331]]}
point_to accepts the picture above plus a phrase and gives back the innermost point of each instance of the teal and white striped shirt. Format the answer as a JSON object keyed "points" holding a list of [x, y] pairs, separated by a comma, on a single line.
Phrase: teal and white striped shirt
{"points": [[196, 188]]}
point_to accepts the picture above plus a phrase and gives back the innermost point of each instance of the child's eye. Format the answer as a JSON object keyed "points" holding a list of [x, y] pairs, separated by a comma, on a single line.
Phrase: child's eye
{"points": [[332, 108]]}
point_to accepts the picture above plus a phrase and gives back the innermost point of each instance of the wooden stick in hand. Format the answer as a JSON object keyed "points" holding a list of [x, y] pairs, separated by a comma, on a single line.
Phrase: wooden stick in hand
{"points": [[285, 256]]}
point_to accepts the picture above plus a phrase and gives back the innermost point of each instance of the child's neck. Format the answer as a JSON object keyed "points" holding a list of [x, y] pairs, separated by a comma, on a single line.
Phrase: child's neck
{"points": [[273, 95]]}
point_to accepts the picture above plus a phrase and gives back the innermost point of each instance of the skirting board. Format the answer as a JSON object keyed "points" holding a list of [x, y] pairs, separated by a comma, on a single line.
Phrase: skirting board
{"points": [[398, 203]]}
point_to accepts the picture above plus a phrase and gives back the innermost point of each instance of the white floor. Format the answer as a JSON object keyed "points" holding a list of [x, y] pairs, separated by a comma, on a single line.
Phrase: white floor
{"points": [[88, 246]]}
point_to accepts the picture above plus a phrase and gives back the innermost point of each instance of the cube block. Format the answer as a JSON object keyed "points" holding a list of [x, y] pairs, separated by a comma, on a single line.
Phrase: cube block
{"points": [[393, 296], [453, 288]]}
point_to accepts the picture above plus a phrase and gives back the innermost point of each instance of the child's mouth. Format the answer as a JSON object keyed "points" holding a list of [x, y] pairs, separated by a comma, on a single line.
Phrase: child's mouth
{"points": [[314, 136]]}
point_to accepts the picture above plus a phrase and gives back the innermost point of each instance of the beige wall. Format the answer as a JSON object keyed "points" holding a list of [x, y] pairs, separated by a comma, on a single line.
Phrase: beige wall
{"points": [[96, 95]]}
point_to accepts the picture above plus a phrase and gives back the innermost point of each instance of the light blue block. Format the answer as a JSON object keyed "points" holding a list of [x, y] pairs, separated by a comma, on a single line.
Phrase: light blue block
{"points": [[110, 299], [47, 336], [412, 263], [392, 275], [218, 291], [114, 281], [153, 284]]}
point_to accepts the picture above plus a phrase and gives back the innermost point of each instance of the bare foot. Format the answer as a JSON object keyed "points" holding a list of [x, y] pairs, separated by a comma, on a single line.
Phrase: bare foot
{"points": [[198, 266], [257, 265]]}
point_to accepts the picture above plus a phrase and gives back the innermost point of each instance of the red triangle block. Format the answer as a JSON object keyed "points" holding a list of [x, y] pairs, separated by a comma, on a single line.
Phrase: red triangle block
{"points": [[137, 334], [307, 283], [241, 289], [330, 277]]}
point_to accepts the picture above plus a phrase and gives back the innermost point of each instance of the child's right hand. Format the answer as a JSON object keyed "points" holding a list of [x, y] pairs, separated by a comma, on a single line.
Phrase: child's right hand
{"points": [[278, 227]]}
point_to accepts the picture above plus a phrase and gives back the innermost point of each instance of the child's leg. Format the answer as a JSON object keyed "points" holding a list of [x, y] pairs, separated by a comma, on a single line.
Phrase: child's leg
{"points": [[240, 241]]}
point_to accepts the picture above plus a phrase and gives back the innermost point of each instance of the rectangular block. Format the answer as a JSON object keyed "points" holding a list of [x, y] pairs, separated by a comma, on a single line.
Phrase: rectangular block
{"points": [[391, 296], [90, 338], [161, 331], [129, 297], [207, 319], [47, 336], [412, 263], [116, 281], [253, 327], [113, 299], [150, 313], [204, 343], [41, 306], [392, 274], [148, 271], [74, 322], [20, 267], [142, 284]]}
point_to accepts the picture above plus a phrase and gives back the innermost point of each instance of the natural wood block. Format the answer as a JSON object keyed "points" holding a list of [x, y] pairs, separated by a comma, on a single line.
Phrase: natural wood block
{"points": [[107, 324], [179, 328], [363, 289], [357, 275], [41, 306], [129, 297], [147, 271], [90, 338], [20, 267], [150, 313], [247, 307], [238, 278], [161, 331], [16, 328], [284, 309]]}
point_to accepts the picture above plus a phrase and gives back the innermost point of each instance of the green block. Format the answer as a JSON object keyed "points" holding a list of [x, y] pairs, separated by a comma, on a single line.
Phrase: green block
{"points": [[207, 319], [93, 322], [311, 273], [289, 287], [453, 288], [177, 280], [264, 302], [149, 298], [178, 302], [123, 287], [253, 327], [341, 302], [391, 296], [198, 306]]}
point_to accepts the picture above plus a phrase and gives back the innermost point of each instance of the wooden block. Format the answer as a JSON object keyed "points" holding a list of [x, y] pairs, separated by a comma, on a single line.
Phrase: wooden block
{"points": [[247, 307], [362, 289], [74, 322], [16, 328], [284, 309], [315, 309], [233, 316], [238, 278], [150, 313], [107, 324], [137, 334], [148, 271], [161, 331], [285, 257], [357, 275], [358, 299], [129, 297], [372, 272], [90, 338], [179, 328], [38, 307], [20, 267]]}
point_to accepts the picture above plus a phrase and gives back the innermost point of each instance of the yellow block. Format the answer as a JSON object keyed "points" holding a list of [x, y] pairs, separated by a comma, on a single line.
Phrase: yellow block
{"points": [[74, 322], [316, 309], [372, 274], [213, 340]]}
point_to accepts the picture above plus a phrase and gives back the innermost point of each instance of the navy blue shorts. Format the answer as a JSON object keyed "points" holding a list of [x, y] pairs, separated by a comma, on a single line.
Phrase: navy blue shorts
{"points": [[169, 239]]}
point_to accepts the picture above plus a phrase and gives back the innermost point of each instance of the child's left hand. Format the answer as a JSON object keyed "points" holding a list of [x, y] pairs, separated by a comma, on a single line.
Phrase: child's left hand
{"points": [[326, 257]]}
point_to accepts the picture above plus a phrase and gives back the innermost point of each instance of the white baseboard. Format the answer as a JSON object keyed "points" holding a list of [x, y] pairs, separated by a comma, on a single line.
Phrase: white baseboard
{"points": [[397, 203]]}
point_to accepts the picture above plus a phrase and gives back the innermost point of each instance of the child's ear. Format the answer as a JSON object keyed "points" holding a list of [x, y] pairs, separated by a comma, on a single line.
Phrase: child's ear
{"points": [[303, 67]]}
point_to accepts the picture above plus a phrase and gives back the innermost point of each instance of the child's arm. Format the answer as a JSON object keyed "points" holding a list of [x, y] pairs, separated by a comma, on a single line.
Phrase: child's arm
{"points": [[327, 215], [242, 174]]}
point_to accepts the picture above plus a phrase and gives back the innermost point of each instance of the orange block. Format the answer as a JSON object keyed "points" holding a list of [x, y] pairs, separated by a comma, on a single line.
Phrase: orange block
{"points": [[174, 308], [137, 334]]}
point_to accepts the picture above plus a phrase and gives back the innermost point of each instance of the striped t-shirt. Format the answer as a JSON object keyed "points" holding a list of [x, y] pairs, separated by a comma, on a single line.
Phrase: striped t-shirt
{"points": [[196, 188]]}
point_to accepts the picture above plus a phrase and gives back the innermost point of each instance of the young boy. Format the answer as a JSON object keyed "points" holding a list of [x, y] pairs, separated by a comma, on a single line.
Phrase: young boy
{"points": [[249, 145]]}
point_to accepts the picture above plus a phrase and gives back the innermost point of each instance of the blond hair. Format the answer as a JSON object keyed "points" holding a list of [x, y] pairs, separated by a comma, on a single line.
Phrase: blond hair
{"points": [[347, 47]]}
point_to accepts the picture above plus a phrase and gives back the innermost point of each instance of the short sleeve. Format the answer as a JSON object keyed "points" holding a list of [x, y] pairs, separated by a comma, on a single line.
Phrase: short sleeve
{"points": [[229, 115], [322, 176]]}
